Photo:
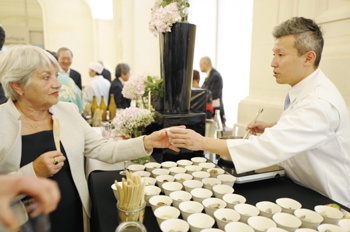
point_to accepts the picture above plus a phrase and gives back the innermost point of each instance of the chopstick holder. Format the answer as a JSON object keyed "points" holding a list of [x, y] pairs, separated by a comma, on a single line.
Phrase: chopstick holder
{"points": [[56, 133]]}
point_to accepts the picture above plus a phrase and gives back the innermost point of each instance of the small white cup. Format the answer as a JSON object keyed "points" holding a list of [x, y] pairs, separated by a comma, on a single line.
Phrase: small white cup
{"points": [[180, 196], [115, 191], [190, 207], [158, 201], [210, 182], [212, 230], [238, 226], [261, 224], [276, 230], [136, 167], [309, 219], [160, 180], [152, 165], [206, 166], [214, 172], [177, 170], [221, 190], [148, 181], [213, 204], [200, 221], [159, 172], [192, 184], [174, 224], [330, 227], [288, 205], [192, 168], [246, 211], [330, 215], [345, 224], [268, 209], [151, 191], [200, 194], [233, 199], [198, 160], [200, 175], [227, 179], [287, 221], [304, 230], [165, 213], [170, 187], [142, 173], [225, 216], [168, 164], [183, 163], [181, 178]]}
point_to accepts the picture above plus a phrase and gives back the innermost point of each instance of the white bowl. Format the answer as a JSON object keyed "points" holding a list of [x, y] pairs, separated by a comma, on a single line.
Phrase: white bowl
{"points": [[200, 175], [288, 205], [180, 196], [268, 209], [183, 163], [200, 194], [165, 213], [276, 230], [330, 215], [174, 224], [198, 160], [200, 221], [238, 226], [115, 191], [221, 190], [177, 170], [261, 224], [287, 221], [303, 230], [330, 227], [170, 187], [159, 172], [152, 165], [345, 224], [210, 182], [148, 181], [212, 230], [227, 179], [160, 199], [142, 173], [233, 199], [151, 191], [181, 178], [213, 204], [309, 218], [192, 168], [225, 216], [136, 167], [246, 211], [168, 164], [190, 207], [160, 180], [192, 184], [206, 166], [214, 172]]}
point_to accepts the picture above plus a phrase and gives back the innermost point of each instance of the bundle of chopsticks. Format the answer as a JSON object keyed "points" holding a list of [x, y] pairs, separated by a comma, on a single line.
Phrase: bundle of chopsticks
{"points": [[96, 120], [131, 197]]}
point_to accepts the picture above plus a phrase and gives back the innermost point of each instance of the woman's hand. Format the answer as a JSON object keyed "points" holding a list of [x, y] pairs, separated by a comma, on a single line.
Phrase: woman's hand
{"points": [[44, 166], [259, 127], [159, 139], [185, 138]]}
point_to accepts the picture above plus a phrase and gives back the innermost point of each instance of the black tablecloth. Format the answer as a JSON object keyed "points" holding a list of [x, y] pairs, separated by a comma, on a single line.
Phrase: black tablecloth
{"points": [[104, 211]]}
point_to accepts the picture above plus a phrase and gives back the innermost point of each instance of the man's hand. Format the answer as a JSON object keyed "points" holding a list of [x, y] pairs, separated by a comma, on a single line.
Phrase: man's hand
{"points": [[159, 139], [259, 127]]}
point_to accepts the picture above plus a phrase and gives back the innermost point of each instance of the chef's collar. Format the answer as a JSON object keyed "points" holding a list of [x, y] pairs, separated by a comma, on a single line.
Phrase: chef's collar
{"points": [[296, 89]]}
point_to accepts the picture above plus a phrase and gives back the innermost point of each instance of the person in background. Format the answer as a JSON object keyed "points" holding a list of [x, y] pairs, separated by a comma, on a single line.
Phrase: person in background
{"points": [[65, 58], [195, 84], [98, 87], [3, 99], [45, 192], [105, 73], [214, 83], [122, 74], [311, 139]]}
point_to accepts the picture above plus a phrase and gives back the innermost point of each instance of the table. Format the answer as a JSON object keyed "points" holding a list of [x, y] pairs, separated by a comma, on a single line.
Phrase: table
{"points": [[104, 211]]}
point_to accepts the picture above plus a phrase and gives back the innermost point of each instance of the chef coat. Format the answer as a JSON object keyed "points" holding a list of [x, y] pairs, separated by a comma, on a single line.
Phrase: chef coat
{"points": [[98, 87], [311, 140]]}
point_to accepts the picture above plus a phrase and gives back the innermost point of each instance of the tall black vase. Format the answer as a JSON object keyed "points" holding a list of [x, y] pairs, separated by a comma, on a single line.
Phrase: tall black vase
{"points": [[176, 64]]}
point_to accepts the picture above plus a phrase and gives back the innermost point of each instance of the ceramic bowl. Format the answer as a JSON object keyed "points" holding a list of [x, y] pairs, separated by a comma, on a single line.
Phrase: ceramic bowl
{"points": [[303, 230], [225, 216], [288, 205], [198, 160], [192, 168], [190, 207], [177, 225], [181, 178], [330, 227], [246, 211], [142, 173], [261, 224], [170, 187], [177, 170], [309, 219], [221, 190], [151, 191], [160, 201], [330, 215], [180, 196], [238, 226], [210, 182], [192, 184], [152, 165], [200, 175], [233, 199], [268, 209], [287, 221], [213, 204], [160, 180], [276, 230], [200, 221], [159, 172], [345, 224], [136, 167], [212, 230], [200, 194], [227, 179], [206, 166], [183, 163], [214, 172], [168, 164], [148, 181], [165, 213]]}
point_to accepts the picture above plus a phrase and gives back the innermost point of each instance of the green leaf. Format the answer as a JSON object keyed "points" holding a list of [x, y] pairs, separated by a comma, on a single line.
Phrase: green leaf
{"points": [[149, 78]]}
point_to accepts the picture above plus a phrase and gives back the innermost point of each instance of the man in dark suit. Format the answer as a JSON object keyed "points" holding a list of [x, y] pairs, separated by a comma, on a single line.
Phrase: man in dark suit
{"points": [[65, 57], [105, 73], [214, 83], [122, 73], [3, 99]]}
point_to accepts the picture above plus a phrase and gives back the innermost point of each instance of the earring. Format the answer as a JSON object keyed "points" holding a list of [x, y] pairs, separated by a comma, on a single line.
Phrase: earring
{"points": [[21, 94]]}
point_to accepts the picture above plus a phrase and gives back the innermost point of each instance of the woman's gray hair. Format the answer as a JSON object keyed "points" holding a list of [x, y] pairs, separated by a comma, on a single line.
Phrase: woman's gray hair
{"points": [[121, 68], [308, 35], [18, 63]]}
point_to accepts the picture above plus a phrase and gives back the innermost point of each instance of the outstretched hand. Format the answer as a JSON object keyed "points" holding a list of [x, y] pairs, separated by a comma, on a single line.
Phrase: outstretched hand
{"points": [[160, 139], [259, 127]]}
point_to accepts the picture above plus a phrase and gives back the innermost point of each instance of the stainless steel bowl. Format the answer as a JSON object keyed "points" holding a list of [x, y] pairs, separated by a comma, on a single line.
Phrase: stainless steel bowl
{"points": [[229, 137]]}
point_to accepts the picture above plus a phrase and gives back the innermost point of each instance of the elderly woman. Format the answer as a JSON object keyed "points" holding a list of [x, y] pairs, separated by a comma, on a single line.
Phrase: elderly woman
{"points": [[27, 147]]}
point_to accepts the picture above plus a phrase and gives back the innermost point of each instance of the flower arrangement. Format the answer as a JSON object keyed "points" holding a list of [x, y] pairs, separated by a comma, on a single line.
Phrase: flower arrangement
{"points": [[165, 13], [155, 86], [135, 87]]}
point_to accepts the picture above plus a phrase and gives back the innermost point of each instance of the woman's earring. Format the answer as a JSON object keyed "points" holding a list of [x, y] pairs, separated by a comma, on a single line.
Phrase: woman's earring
{"points": [[21, 94]]}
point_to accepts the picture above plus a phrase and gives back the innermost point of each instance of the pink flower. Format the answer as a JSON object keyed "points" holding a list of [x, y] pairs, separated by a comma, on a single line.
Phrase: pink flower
{"points": [[135, 87]]}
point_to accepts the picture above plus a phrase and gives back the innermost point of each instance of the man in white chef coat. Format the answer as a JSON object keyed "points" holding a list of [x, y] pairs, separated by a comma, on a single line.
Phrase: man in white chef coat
{"points": [[312, 138]]}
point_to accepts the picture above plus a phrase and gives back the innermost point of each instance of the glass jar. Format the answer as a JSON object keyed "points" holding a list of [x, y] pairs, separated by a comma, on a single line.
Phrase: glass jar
{"points": [[131, 226]]}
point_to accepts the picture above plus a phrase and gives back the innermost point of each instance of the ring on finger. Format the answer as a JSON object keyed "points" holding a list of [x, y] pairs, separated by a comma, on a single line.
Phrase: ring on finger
{"points": [[55, 162]]}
